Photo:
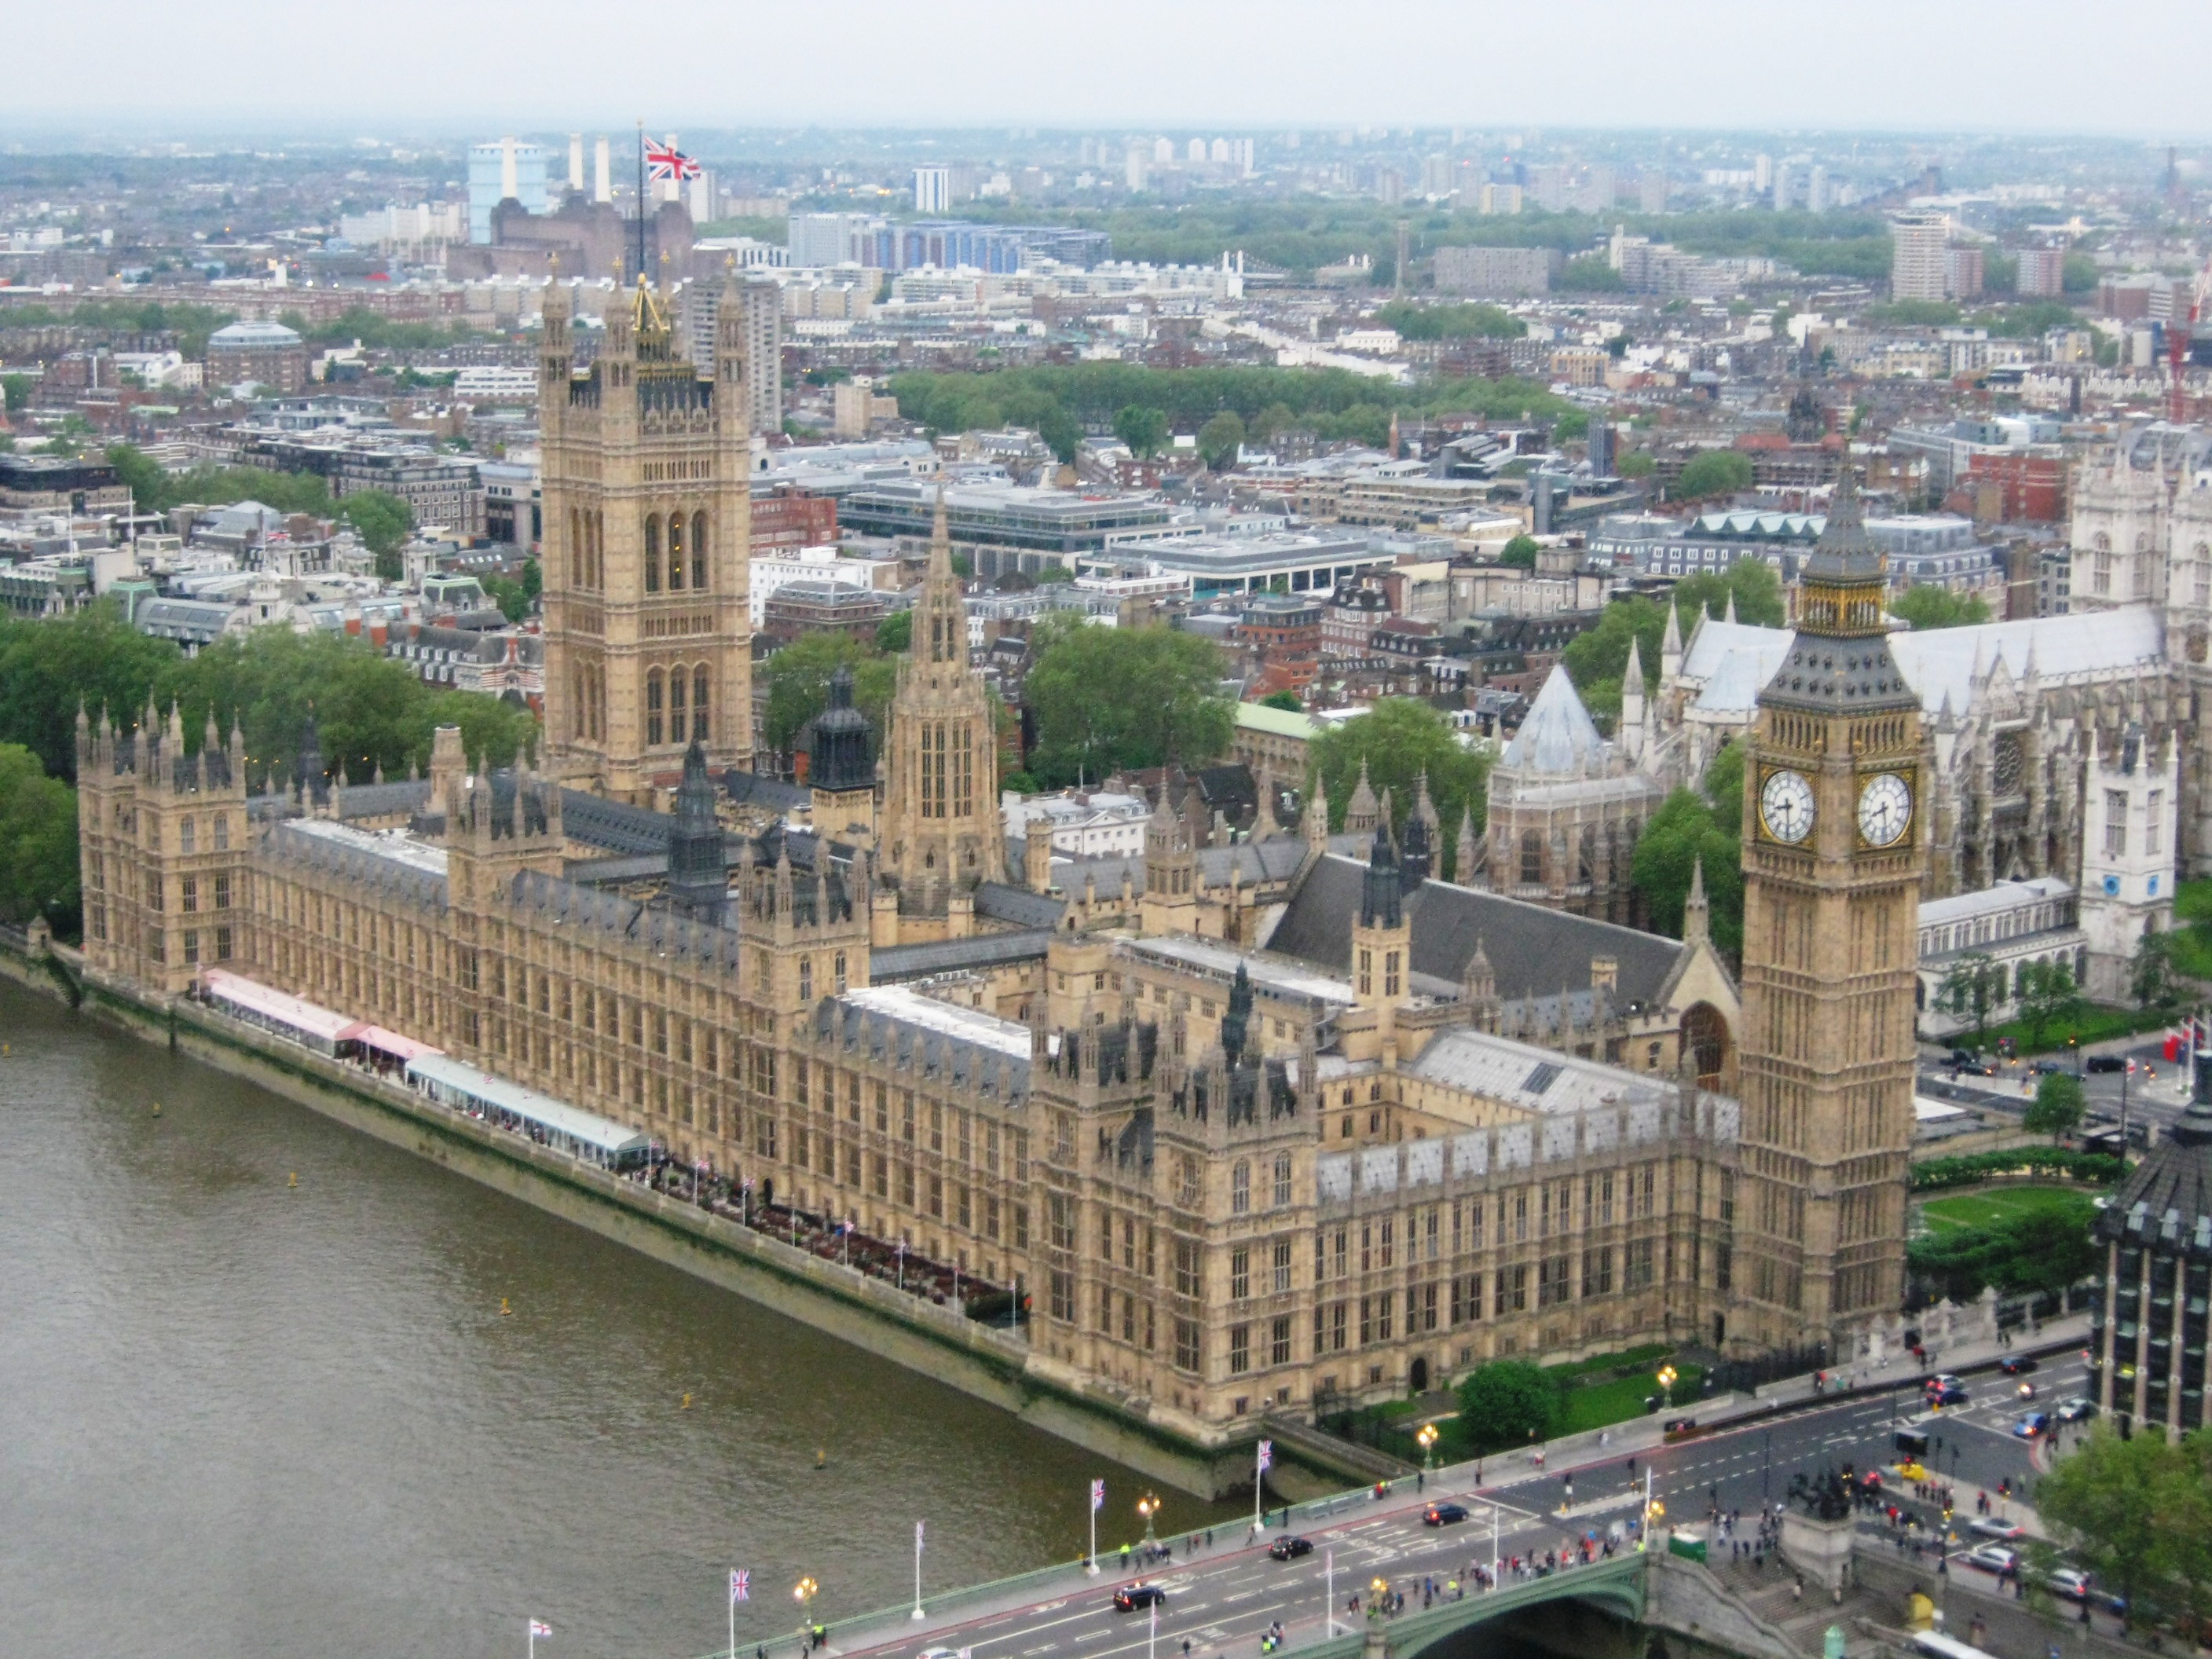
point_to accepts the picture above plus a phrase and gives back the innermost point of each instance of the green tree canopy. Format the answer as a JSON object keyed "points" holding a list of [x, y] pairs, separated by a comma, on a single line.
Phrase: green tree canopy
{"points": [[895, 633], [1286, 700], [2136, 1512], [2154, 979], [1219, 439], [1690, 826], [2057, 1108], [49, 666], [1510, 1402], [1714, 472], [382, 522], [1117, 699], [798, 683], [1144, 429], [1589, 273], [1637, 463], [1929, 605], [1520, 551], [2047, 997], [38, 842], [1400, 739], [1595, 659], [2029, 1251], [1450, 322]]}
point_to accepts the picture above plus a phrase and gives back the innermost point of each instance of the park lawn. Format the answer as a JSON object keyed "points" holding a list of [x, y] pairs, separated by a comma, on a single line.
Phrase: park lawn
{"points": [[1616, 1402], [2097, 1022], [1985, 1209]]}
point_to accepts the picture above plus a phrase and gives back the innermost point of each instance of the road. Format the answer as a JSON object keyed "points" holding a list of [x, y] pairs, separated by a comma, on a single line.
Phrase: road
{"points": [[1221, 1600], [2156, 1092]]}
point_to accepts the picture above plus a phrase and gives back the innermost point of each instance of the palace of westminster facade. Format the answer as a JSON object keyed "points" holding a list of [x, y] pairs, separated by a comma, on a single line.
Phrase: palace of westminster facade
{"points": [[1227, 1181]]}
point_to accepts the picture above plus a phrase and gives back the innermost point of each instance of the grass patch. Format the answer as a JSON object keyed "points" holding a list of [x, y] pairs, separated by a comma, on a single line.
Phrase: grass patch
{"points": [[1616, 1402], [1985, 1209], [2099, 1022]]}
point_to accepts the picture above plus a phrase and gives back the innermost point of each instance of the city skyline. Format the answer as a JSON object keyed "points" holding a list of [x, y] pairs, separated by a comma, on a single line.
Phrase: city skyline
{"points": [[1240, 65]]}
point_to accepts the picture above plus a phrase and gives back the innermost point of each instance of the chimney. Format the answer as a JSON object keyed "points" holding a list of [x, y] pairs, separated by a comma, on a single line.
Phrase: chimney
{"points": [[1605, 974]]}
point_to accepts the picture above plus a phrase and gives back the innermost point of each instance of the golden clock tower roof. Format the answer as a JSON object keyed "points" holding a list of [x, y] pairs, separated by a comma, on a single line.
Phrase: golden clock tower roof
{"points": [[1839, 661]]}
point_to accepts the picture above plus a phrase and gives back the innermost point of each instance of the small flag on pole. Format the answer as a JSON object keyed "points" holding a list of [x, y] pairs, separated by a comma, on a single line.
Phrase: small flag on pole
{"points": [[539, 1628], [741, 1587], [917, 1535], [1099, 1494], [667, 161], [1267, 1454]]}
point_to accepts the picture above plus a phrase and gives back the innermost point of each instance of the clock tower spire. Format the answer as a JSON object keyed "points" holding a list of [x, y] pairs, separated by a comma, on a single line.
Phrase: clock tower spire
{"points": [[1832, 857]]}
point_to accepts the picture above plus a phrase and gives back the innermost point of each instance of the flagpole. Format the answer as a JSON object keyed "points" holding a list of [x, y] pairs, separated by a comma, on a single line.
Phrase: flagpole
{"points": [[1259, 1481], [1328, 1609], [917, 1570], [640, 201], [733, 1617]]}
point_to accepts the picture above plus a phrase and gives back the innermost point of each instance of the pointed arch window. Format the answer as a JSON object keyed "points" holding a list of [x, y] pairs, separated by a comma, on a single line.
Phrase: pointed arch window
{"points": [[654, 690], [699, 704], [699, 568], [676, 552], [653, 552], [676, 704]]}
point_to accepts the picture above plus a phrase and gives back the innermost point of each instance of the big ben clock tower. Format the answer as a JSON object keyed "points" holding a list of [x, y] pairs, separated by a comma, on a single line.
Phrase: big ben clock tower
{"points": [[1832, 853]]}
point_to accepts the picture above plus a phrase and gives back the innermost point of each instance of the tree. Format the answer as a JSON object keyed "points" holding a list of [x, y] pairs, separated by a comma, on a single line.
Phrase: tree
{"points": [[1115, 699], [1144, 429], [534, 579], [1219, 440], [1521, 552], [15, 389], [1930, 605], [895, 633], [2047, 997], [146, 477], [798, 683], [1690, 826], [1059, 433], [1713, 472], [1510, 1402], [2057, 1108], [1637, 463], [2125, 1508], [37, 842], [510, 596], [1286, 700], [1400, 739], [2152, 979], [382, 522], [49, 667], [1588, 273], [1970, 986]]}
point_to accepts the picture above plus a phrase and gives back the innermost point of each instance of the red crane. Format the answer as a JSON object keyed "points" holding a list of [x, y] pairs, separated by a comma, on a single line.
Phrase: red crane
{"points": [[2179, 337]]}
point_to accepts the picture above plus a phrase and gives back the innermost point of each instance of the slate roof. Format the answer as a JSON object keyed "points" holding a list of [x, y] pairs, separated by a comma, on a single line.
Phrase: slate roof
{"points": [[1532, 950], [751, 789], [613, 825], [1263, 863], [898, 962], [1018, 906], [2166, 1205], [1559, 735]]}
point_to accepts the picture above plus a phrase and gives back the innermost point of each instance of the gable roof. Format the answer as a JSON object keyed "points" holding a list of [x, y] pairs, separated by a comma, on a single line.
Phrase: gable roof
{"points": [[1533, 951], [1558, 735]]}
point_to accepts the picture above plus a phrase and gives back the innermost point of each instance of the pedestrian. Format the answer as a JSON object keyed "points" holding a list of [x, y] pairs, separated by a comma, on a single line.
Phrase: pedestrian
{"points": [[1797, 1589]]}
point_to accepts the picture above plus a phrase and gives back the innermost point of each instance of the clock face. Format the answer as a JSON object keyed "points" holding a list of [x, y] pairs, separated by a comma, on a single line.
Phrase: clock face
{"points": [[1785, 806], [1885, 810]]}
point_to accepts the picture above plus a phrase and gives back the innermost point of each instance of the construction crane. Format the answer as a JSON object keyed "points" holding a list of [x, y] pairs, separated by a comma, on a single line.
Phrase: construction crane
{"points": [[2180, 335]]}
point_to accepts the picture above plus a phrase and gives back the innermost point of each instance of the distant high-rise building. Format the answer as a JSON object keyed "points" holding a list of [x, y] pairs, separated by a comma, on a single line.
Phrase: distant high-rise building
{"points": [[2042, 273], [1785, 185], [1762, 174], [1436, 175], [1496, 272], [1651, 190], [1962, 272], [1140, 161], [1163, 151], [932, 190], [1195, 151], [819, 240], [1816, 191], [1916, 260], [1500, 199], [499, 171], [1549, 184], [1245, 154], [1595, 193]]}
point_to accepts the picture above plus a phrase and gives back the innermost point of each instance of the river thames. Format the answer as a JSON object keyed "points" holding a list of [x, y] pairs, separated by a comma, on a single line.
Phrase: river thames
{"points": [[387, 1412]]}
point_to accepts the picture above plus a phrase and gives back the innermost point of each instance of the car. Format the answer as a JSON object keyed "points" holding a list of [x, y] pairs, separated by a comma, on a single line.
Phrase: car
{"points": [[1289, 1549], [1951, 1396], [1442, 1515], [2070, 1583], [2017, 1365], [1130, 1597], [1963, 1057], [2045, 1067], [1993, 1558], [938, 1653], [2002, 1532], [1943, 1380], [2079, 1409], [1972, 1067], [2033, 1425], [2106, 1063]]}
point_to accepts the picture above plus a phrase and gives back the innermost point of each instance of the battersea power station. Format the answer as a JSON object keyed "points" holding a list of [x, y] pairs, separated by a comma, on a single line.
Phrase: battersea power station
{"points": [[1273, 1124]]}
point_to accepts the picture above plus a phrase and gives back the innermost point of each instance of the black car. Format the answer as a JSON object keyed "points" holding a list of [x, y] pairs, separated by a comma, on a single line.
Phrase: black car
{"points": [[1130, 1597], [1289, 1549], [2017, 1365], [2106, 1063], [2045, 1067], [1442, 1515]]}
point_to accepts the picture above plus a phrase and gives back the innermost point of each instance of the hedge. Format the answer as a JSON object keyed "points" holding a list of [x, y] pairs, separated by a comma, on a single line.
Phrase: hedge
{"points": [[2101, 1168]]}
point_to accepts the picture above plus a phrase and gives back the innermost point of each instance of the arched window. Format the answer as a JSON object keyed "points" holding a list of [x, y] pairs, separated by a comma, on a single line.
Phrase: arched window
{"points": [[653, 696], [676, 552], [676, 704], [806, 979], [840, 966], [1282, 1181], [1240, 1190], [699, 571], [578, 720], [598, 535], [699, 704], [652, 553], [575, 548]]}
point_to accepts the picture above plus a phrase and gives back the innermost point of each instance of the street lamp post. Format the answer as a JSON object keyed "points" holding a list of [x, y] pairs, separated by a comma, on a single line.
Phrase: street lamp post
{"points": [[1147, 1507], [1666, 1378], [803, 1593], [1427, 1436]]}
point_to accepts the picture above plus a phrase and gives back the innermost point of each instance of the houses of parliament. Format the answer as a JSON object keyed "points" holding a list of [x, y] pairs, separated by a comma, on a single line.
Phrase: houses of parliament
{"points": [[1279, 1127]]}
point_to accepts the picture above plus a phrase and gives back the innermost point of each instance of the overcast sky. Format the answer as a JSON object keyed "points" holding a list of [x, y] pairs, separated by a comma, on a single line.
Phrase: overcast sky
{"points": [[460, 65]]}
